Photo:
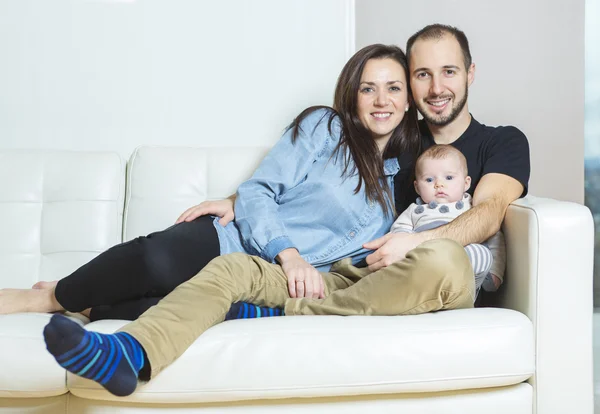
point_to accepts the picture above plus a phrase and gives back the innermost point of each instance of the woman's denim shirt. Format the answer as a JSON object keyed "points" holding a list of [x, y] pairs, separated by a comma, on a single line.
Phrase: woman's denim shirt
{"points": [[298, 198]]}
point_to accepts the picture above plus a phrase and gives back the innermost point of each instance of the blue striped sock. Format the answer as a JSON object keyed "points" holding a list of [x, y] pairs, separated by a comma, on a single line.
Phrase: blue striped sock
{"points": [[244, 310], [113, 361]]}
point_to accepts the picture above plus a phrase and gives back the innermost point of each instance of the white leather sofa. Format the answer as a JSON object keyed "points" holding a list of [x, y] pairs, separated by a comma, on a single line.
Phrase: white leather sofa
{"points": [[531, 354]]}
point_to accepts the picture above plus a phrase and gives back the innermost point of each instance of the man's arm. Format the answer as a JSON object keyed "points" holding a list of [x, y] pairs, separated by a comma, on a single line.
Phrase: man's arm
{"points": [[493, 195], [491, 198]]}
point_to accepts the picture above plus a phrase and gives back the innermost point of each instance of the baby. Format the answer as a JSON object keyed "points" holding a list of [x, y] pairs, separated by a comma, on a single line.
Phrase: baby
{"points": [[441, 180]]}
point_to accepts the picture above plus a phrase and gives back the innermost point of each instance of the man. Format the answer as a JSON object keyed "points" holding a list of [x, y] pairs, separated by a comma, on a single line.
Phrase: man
{"points": [[441, 71]]}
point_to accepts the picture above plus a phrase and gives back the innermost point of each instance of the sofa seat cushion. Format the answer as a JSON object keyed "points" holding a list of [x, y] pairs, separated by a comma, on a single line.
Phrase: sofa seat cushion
{"points": [[312, 356], [27, 370]]}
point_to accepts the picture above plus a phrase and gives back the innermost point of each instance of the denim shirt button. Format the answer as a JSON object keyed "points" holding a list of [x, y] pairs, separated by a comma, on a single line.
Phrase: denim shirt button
{"points": [[351, 234]]}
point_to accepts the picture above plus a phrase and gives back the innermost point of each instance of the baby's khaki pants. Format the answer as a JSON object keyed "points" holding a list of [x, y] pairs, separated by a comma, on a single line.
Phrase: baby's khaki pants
{"points": [[435, 276]]}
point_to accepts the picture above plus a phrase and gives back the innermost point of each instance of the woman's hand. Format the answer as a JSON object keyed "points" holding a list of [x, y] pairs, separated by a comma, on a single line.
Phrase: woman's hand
{"points": [[219, 208], [304, 281]]}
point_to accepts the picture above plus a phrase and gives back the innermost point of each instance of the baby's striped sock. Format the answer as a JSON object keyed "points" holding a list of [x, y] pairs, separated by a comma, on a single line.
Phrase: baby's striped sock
{"points": [[244, 310], [113, 361]]}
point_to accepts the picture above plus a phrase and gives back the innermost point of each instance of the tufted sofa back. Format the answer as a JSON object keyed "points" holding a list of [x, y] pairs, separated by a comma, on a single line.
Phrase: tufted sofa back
{"points": [[164, 181], [59, 209]]}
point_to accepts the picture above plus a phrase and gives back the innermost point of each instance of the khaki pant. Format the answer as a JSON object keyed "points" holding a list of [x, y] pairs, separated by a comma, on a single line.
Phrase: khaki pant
{"points": [[437, 275]]}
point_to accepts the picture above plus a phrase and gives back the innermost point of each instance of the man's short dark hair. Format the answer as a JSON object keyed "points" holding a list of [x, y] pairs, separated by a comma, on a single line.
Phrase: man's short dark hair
{"points": [[438, 31]]}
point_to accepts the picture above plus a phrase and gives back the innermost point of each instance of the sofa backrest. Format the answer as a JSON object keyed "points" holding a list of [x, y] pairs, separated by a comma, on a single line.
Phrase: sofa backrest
{"points": [[58, 210], [162, 182]]}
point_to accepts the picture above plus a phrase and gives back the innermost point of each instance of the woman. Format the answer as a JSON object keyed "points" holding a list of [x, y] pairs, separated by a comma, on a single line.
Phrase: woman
{"points": [[367, 120], [321, 192]]}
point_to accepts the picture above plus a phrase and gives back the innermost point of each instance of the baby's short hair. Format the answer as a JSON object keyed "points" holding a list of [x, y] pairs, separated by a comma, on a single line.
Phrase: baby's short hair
{"points": [[439, 152]]}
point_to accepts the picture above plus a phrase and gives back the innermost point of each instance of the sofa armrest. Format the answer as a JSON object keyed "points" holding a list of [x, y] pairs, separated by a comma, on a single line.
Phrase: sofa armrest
{"points": [[549, 278]]}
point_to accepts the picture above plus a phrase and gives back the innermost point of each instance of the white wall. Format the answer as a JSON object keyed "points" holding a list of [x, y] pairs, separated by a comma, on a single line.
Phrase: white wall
{"points": [[592, 81], [115, 74], [530, 72]]}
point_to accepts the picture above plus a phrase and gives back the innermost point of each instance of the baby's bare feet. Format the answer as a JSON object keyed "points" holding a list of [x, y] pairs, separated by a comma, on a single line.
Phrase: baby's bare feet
{"points": [[28, 300]]}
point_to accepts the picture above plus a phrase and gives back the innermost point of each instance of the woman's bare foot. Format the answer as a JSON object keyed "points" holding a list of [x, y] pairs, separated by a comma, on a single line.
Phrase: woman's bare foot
{"points": [[51, 285], [45, 285], [28, 300]]}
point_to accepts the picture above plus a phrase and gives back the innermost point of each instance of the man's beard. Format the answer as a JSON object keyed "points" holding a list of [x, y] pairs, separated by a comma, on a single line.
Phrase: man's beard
{"points": [[445, 120]]}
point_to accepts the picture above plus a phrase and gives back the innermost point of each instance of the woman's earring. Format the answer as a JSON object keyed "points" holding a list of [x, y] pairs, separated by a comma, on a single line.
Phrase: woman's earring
{"points": [[406, 110]]}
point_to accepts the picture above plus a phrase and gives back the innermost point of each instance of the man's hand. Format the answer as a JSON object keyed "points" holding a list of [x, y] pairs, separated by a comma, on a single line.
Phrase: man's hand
{"points": [[391, 248], [219, 208], [304, 281]]}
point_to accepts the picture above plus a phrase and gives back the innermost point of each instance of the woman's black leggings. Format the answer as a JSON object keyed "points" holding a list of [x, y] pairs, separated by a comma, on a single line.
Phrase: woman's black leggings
{"points": [[127, 279]]}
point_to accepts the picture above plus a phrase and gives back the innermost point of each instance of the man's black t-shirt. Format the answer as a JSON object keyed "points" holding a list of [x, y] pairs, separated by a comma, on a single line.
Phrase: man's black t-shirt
{"points": [[502, 150]]}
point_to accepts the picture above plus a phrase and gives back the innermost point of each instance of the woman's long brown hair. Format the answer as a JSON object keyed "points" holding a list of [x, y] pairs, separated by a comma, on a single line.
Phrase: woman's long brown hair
{"points": [[356, 137]]}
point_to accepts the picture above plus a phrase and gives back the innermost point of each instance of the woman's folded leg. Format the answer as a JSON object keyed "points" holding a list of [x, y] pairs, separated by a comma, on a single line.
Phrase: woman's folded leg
{"points": [[150, 266]]}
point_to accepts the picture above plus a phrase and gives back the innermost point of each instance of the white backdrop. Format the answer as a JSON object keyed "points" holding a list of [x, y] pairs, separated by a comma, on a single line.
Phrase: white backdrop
{"points": [[115, 74]]}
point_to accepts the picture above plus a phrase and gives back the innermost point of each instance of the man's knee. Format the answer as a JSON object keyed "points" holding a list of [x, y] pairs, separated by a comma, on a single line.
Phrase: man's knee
{"points": [[235, 264], [445, 258], [230, 261]]}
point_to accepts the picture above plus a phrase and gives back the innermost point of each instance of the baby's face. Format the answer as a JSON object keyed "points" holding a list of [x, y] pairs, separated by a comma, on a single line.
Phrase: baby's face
{"points": [[442, 181]]}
